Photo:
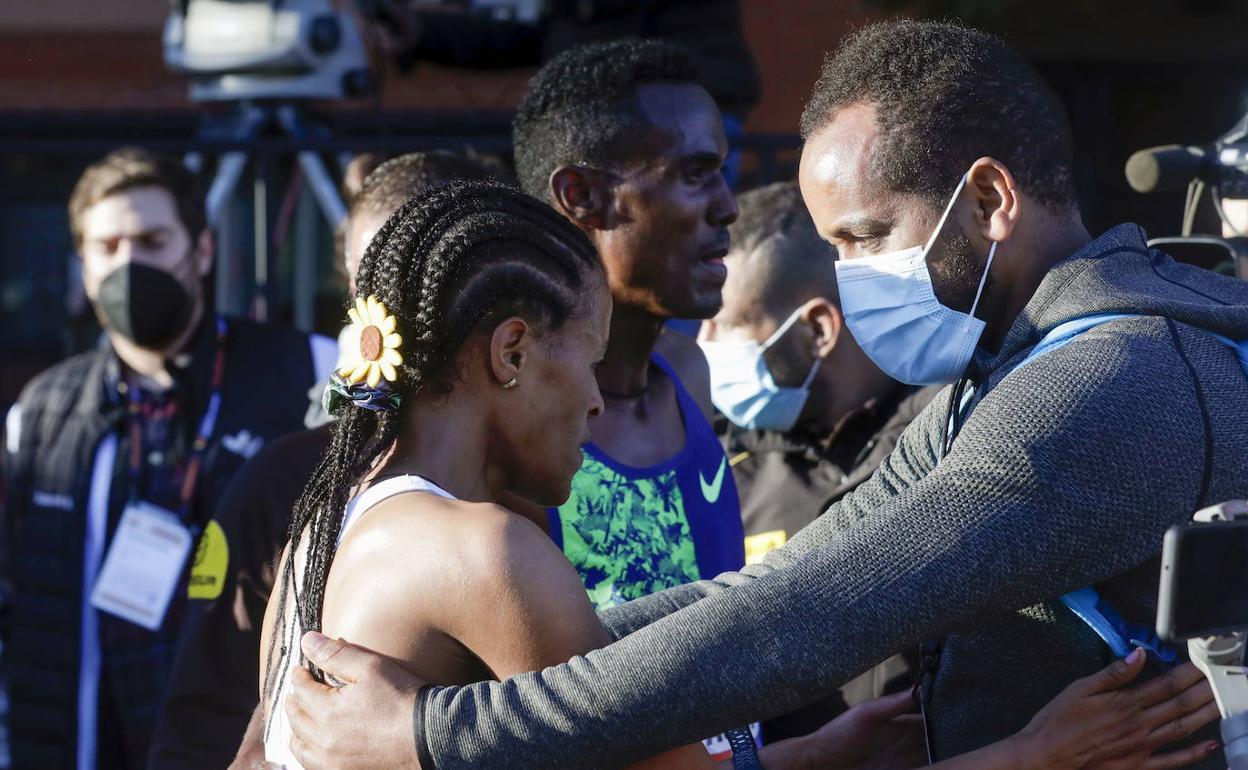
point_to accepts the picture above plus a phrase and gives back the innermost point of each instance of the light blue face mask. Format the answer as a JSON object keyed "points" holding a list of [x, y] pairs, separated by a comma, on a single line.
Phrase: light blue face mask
{"points": [[743, 389], [891, 309]]}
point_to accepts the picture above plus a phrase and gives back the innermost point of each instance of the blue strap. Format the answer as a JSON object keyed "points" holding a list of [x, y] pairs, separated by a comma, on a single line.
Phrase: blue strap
{"points": [[1118, 634], [1086, 603], [1063, 333], [744, 750], [1240, 348]]}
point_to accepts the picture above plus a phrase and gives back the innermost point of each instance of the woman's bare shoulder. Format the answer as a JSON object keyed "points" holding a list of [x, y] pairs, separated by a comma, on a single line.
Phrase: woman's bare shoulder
{"points": [[478, 573], [446, 548], [429, 533]]}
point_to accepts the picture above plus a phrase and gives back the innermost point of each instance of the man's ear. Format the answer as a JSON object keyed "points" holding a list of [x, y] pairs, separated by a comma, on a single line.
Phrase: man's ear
{"points": [[582, 195], [826, 322], [997, 205], [204, 253], [510, 348]]}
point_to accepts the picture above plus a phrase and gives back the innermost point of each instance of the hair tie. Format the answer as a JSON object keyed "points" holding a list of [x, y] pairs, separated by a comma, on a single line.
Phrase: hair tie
{"points": [[339, 393], [370, 359]]}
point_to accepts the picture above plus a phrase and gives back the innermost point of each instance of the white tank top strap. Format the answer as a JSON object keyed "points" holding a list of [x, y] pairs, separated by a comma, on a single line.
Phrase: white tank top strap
{"points": [[277, 729], [384, 490]]}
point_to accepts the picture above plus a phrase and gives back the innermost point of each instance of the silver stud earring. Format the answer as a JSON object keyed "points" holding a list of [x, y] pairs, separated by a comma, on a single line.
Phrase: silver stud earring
{"points": [[509, 384]]}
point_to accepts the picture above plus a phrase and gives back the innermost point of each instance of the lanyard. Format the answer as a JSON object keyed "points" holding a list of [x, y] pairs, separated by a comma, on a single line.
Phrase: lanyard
{"points": [[207, 424]]}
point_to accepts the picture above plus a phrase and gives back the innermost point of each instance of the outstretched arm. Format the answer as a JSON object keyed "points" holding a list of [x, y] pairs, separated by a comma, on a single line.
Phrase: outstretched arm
{"points": [[914, 457], [931, 556], [935, 556], [1100, 722]]}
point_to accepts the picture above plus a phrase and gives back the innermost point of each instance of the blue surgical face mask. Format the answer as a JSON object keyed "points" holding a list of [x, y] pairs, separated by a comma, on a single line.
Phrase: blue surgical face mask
{"points": [[891, 309], [743, 389]]}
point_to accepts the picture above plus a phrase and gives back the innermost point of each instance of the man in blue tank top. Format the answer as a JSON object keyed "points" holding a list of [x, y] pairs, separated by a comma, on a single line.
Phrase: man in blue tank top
{"points": [[621, 139]]}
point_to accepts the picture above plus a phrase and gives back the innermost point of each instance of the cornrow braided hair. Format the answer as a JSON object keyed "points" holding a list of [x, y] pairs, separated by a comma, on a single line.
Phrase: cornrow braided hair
{"points": [[451, 261]]}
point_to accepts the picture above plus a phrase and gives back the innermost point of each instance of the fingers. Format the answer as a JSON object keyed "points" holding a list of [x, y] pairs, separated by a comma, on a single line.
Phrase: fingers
{"points": [[1115, 676], [1169, 685], [1157, 717], [303, 753], [304, 690], [1182, 726], [304, 730], [340, 660], [1182, 757], [885, 708]]}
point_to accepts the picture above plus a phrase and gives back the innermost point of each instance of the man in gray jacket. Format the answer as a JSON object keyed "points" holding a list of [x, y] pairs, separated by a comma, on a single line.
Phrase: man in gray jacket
{"points": [[1025, 481]]}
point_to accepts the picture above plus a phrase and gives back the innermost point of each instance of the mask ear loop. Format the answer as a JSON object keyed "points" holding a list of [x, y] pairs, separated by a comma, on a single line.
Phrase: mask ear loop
{"points": [[941, 224], [813, 371], [992, 250], [984, 278], [775, 337], [784, 327]]}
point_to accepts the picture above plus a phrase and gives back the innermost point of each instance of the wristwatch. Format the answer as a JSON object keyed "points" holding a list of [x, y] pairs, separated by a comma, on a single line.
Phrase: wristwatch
{"points": [[744, 751]]}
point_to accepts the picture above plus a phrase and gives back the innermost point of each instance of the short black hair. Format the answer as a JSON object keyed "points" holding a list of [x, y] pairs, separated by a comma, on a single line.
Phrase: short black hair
{"points": [[392, 182], [946, 95], [786, 260], [581, 106], [375, 185]]}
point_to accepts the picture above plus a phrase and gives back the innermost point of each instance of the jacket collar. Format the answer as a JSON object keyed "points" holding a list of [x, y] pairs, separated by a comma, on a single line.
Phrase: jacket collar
{"points": [[1039, 316], [191, 369]]}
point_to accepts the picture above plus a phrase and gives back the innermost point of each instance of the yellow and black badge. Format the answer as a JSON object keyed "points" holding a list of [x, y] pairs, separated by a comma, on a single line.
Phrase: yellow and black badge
{"points": [[758, 546], [212, 557]]}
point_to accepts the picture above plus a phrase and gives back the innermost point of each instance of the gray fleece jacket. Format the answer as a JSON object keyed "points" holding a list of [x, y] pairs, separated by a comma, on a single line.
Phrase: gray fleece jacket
{"points": [[1065, 474]]}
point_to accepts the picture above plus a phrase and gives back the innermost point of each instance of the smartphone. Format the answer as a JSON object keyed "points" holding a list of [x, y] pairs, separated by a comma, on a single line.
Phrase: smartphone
{"points": [[1204, 580]]}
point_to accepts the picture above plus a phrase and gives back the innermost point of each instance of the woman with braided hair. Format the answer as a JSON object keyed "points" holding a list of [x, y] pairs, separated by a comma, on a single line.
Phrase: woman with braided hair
{"points": [[480, 315]]}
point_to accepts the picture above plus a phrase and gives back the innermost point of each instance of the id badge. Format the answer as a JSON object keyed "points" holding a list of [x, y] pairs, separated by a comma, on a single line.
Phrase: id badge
{"points": [[144, 565]]}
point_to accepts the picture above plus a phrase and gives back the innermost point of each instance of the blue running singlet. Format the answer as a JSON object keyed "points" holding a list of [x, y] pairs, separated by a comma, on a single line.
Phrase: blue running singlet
{"points": [[631, 531]]}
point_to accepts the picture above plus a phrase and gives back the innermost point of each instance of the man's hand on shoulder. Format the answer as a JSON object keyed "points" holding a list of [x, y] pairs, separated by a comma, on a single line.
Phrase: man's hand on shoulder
{"points": [[363, 724], [685, 357]]}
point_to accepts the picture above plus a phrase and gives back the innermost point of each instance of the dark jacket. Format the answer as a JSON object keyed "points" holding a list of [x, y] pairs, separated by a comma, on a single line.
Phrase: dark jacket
{"points": [[786, 480], [67, 414], [214, 685], [1067, 473]]}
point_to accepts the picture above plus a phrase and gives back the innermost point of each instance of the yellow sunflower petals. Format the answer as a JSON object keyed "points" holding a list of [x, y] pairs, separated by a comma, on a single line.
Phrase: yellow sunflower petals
{"points": [[374, 374], [392, 341], [387, 370], [357, 374], [361, 308], [392, 357], [379, 313], [387, 324], [354, 315]]}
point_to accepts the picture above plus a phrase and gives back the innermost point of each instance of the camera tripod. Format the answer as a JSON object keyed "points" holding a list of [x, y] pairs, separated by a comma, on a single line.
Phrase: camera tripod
{"points": [[267, 59], [246, 124]]}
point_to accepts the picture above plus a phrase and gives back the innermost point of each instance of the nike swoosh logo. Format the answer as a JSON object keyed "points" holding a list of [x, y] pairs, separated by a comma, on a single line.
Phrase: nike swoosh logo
{"points": [[711, 491]]}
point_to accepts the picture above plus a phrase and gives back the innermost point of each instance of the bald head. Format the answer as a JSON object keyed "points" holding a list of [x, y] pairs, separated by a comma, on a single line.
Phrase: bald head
{"points": [[777, 260]]}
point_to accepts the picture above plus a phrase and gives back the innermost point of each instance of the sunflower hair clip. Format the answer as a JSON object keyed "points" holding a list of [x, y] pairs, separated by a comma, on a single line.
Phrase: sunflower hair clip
{"points": [[375, 352], [370, 357]]}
